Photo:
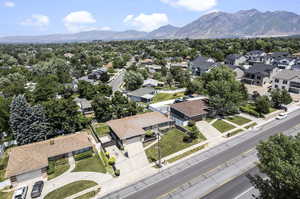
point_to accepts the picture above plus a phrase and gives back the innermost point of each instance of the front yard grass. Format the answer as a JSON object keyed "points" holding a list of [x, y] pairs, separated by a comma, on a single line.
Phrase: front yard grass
{"points": [[239, 120], [70, 189], [170, 143], [251, 125], [234, 133], [185, 154], [91, 164], [166, 96], [222, 126], [60, 167], [102, 129], [6, 195]]}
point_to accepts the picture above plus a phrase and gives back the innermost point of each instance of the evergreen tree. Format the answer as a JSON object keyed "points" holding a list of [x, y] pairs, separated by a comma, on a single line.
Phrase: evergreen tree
{"points": [[28, 124]]}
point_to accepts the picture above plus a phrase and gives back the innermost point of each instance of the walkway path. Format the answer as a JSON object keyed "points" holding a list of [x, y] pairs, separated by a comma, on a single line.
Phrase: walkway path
{"points": [[71, 163], [84, 192]]}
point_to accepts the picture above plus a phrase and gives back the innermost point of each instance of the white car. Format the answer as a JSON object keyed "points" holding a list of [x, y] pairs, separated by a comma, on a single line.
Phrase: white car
{"points": [[21, 193], [281, 116]]}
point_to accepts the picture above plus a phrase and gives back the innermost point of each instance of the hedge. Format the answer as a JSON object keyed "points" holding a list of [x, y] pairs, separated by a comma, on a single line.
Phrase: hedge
{"points": [[83, 155], [250, 110], [51, 167]]}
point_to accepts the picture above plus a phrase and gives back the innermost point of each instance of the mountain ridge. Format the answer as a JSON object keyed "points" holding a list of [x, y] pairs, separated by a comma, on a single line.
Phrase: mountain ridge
{"points": [[243, 23]]}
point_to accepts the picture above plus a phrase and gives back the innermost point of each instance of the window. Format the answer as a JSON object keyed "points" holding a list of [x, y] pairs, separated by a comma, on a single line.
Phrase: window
{"points": [[276, 80], [283, 87], [276, 86], [284, 82]]}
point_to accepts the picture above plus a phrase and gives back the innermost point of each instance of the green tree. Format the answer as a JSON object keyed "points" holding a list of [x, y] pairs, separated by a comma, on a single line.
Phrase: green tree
{"points": [[280, 97], [4, 114], [262, 104], [28, 123], [63, 116], [102, 107], [279, 159], [47, 88], [133, 80]]}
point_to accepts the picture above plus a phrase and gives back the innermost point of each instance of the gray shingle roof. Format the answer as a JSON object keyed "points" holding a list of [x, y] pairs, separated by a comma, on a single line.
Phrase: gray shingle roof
{"points": [[287, 74], [264, 69], [141, 92]]}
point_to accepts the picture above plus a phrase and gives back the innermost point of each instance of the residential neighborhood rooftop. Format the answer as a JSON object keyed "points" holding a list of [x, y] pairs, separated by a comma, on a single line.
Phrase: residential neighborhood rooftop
{"points": [[141, 92], [191, 108], [287, 74], [34, 156], [134, 125]]}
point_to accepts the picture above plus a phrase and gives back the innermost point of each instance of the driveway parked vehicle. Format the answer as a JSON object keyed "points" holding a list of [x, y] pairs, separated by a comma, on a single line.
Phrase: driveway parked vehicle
{"points": [[37, 189], [21, 193], [281, 116]]}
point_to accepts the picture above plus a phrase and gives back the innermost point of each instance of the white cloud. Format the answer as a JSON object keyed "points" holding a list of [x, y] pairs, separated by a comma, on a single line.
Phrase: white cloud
{"points": [[147, 23], [194, 5], [9, 4], [79, 21], [37, 20]]}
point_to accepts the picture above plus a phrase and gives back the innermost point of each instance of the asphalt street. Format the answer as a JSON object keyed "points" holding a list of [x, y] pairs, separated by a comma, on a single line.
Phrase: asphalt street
{"points": [[169, 184], [117, 82], [237, 188]]}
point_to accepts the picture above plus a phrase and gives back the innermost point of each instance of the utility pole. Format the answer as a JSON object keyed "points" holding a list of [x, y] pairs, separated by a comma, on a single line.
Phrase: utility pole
{"points": [[158, 149]]}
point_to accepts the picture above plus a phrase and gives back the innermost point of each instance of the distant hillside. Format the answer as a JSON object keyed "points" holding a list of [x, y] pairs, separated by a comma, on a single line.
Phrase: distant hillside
{"points": [[245, 23]]}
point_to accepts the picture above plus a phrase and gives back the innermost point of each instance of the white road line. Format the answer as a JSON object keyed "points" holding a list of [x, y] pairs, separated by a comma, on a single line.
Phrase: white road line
{"points": [[240, 195]]}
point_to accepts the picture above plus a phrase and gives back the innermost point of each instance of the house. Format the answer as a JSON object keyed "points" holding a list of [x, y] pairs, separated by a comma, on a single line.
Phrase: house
{"points": [[287, 79], [235, 59], [202, 65], [297, 54], [184, 112], [133, 129], [153, 68], [259, 74], [85, 106], [178, 64], [94, 76], [146, 61], [30, 161], [142, 95], [256, 56], [239, 71], [152, 83], [284, 63]]}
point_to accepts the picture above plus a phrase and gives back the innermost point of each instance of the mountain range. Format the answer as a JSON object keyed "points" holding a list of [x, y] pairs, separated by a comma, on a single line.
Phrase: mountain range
{"points": [[241, 24]]}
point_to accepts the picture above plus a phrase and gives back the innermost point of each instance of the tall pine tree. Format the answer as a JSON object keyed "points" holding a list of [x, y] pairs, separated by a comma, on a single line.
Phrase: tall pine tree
{"points": [[28, 124]]}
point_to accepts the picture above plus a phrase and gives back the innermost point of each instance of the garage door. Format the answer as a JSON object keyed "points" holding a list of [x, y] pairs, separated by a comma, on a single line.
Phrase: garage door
{"points": [[29, 176]]}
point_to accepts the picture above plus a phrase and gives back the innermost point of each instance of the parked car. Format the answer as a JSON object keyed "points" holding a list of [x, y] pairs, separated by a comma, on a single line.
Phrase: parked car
{"points": [[37, 189], [21, 193], [281, 116]]}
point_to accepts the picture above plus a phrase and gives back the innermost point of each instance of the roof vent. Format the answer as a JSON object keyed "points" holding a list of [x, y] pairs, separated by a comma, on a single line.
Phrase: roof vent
{"points": [[51, 142]]}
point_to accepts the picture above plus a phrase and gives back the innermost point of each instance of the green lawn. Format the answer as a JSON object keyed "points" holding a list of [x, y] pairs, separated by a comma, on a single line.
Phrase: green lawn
{"points": [[91, 164], [3, 163], [222, 126], [6, 195], [234, 133], [251, 125], [178, 157], [59, 169], [166, 96], [89, 194], [101, 129], [70, 189], [170, 143], [239, 120]]}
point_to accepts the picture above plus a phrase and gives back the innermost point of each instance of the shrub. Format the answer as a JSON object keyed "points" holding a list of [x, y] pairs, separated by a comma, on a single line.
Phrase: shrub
{"points": [[149, 133], [83, 155], [117, 172], [191, 123], [112, 161], [107, 154], [51, 167], [61, 161], [250, 110]]}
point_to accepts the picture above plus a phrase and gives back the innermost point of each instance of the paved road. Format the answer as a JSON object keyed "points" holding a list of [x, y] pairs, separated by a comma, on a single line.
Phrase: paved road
{"points": [[117, 82], [169, 184], [238, 188]]}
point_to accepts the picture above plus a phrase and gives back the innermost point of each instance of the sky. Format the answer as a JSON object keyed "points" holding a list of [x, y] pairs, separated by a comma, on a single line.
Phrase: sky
{"points": [[40, 17]]}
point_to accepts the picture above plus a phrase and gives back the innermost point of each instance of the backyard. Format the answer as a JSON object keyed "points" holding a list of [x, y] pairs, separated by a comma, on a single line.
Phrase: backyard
{"points": [[222, 126], [101, 129], [70, 189], [166, 96], [90, 164], [170, 143]]}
